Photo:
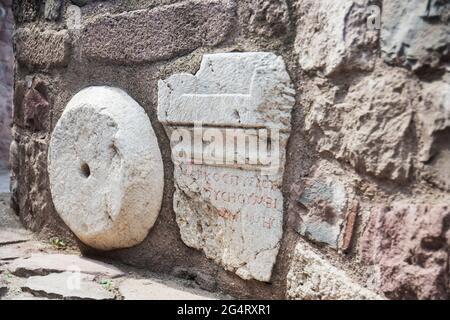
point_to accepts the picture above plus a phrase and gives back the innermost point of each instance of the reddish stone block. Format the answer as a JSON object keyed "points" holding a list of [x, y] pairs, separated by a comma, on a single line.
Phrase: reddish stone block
{"points": [[410, 245], [158, 34], [32, 106]]}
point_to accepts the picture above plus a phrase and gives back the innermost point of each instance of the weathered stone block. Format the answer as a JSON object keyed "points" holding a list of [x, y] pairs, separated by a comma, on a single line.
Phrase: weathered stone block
{"points": [[26, 10], [18, 101], [73, 18], [434, 117], [416, 33], [409, 244], [44, 264], [31, 195], [334, 35], [329, 200], [372, 128], [437, 171], [52, 9], [157, 34], [67, 286], [32, 105], [312, 277], [80, 3], [268, 18], [228, 201], [42, 49], [104, 145]]}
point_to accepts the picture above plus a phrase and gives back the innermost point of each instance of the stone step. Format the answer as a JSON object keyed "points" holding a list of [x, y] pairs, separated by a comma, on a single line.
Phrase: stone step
{"points": [[12, 236], [44, 264], [145, 289], [20, 250], [67, 286]]}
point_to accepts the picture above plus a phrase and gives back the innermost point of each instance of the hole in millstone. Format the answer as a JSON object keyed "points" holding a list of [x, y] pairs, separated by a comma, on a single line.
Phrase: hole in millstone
{"points": [[85, 170]]}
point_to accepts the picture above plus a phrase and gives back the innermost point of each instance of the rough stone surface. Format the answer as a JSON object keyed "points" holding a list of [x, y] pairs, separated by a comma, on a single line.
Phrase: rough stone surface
{"points": [[268, 18], [409, 244], [164, 32], [144, 289], [42, 49], [435, 124], [31, 198], [14, 251], [312, 277], [372, 128], [52, 9], [234, 211], [80, 2], [333, 35], [416, 33], [44, 264], [65, 286], [328, 198], [242, 88], [204, 280], [26, 10], [32, 105], [104, 144]]}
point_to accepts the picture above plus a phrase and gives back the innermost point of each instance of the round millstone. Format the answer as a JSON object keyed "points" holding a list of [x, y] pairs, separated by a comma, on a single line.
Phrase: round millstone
{"points": [[105, 169]]}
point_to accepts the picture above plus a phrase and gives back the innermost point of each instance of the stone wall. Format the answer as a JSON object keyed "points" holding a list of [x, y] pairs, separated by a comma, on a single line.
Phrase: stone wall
{"points": [[366, 182], [6, 76]]}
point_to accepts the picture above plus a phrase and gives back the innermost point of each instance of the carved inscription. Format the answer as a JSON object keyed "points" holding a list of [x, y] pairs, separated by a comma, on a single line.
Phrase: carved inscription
{"points": [[229, 126]]}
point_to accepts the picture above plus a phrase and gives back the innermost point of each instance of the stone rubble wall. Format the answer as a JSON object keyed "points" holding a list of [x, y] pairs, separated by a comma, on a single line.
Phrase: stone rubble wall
{"points": [[366, 187], [6, 76]]}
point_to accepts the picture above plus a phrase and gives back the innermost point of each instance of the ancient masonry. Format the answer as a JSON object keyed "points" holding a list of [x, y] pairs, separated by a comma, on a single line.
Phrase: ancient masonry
{"points": [[336, 182]]}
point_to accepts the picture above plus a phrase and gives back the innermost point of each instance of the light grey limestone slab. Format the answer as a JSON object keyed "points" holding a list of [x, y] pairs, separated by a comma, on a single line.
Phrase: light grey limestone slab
{"points": [[228, 200]]}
